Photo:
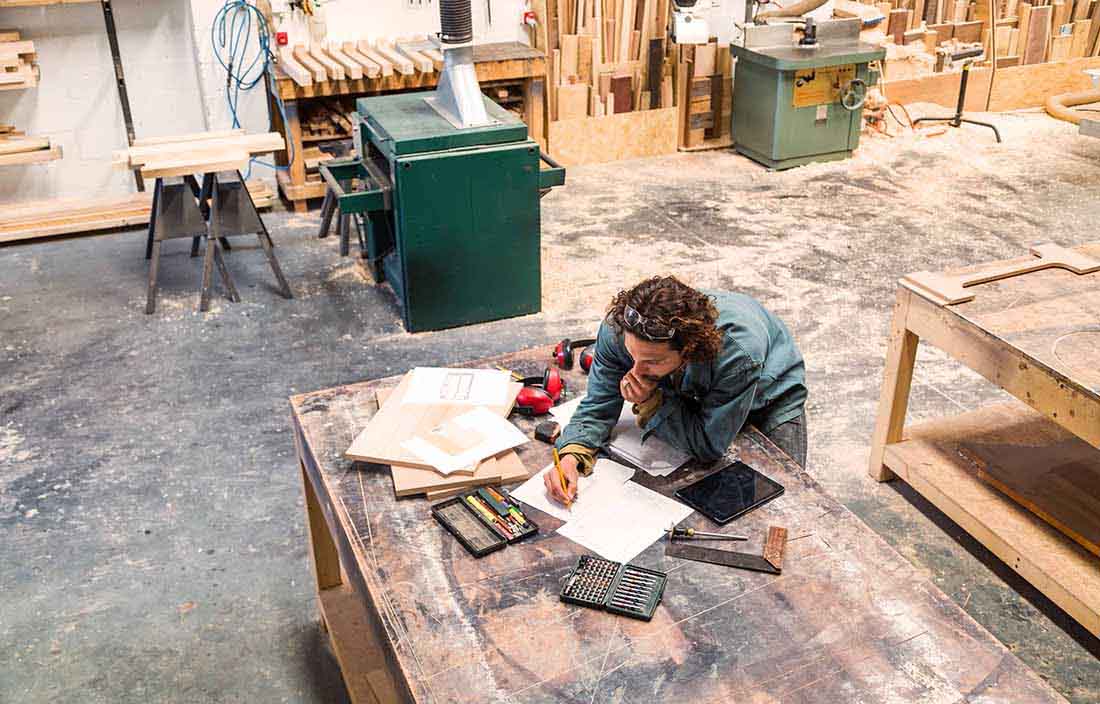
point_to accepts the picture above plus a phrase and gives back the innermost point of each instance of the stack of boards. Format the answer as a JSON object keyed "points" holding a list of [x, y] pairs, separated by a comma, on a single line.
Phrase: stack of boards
{"points": [[395, 422], [607, 56], [340, 61], [18, 67], [198, 153], [17, 148]]}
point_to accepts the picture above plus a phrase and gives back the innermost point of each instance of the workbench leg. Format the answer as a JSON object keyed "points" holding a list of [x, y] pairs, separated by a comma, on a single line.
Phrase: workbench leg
{"points": [[894, 401], [534, 108], [296, 170], [322, 550], [328, 207]]}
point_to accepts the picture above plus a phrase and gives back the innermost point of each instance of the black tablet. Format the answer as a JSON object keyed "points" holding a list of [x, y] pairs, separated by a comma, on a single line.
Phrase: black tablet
{"points": [[730, 492]]}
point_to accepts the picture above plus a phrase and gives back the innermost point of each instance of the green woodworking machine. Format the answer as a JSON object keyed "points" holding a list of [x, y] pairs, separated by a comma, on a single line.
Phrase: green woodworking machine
{"points": [[446, 193], [798, 95]]}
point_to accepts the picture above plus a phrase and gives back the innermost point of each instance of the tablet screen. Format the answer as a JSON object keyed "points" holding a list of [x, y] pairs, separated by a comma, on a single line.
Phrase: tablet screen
{"points": [[729, 492]]}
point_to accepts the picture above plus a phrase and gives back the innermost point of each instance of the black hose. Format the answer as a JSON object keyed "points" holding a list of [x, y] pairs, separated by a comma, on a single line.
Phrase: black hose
{"points": [[456, 21]]}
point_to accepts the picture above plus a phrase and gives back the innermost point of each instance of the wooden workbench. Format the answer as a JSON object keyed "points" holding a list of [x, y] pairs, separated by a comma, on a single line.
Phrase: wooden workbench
{"points": [[413, 617], [497, 64], [1037, 336]]}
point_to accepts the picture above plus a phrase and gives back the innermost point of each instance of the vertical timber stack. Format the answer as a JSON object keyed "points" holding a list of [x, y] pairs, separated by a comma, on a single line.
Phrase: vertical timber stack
{"points": [[612, 90]]}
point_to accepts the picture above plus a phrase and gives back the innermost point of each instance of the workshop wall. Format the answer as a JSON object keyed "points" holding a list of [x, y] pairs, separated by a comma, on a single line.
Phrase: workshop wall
{"points": [[175, 83], [76, 102]]}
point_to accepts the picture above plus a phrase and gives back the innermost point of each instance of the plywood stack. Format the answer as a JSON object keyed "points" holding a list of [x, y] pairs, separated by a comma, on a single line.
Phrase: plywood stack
{"points": [[1019, 33], [381, 442], [17, 148], [18, 62]]}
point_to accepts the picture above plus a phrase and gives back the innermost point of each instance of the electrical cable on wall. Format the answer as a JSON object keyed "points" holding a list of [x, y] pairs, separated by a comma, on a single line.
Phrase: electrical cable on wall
{"points": [[231, 35]]}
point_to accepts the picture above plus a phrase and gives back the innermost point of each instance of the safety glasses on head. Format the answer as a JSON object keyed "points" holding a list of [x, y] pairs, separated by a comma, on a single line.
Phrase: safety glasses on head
{"points": [[652, 330]]}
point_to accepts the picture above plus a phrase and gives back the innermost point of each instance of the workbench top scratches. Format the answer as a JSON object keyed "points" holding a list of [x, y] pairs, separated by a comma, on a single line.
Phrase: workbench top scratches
{"points": [[848, 618]]}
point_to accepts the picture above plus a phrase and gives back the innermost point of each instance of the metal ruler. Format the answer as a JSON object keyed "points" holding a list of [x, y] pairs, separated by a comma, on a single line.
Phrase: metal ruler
{"points": [[771, 561]]}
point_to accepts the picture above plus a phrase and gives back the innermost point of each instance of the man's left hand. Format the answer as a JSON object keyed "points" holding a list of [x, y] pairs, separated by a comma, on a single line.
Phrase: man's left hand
{"points": [[635, 389]]}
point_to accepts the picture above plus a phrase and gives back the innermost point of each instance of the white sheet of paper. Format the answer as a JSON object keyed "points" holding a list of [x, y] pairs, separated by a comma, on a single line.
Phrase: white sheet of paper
{"points": [[604, 484], [621, 529], [497, 435], [564, 413], [477, 387], [654, 456]]}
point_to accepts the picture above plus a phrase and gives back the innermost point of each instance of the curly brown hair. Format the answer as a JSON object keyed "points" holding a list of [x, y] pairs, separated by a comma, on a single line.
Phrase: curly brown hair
{"points": [[672, 303]]}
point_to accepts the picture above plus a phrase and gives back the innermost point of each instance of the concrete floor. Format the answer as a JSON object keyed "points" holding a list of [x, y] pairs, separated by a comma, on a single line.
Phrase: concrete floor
{"points": [[152, 545]]}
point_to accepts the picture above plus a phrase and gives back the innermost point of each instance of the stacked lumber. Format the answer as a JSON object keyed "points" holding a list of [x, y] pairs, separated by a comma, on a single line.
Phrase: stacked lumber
{"points": [[63, 216], [17, 148], [354, 60], [607, 56], [197, 153], [1020, 32], [324, 119], [18, 62], [705, 85]]}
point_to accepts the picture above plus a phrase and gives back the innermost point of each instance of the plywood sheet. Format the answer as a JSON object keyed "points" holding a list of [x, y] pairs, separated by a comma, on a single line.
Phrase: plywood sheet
{"points": [[572, 101], [598, 140], [380, 441], [1035, 50], [1059, 482], [1017, 87]]}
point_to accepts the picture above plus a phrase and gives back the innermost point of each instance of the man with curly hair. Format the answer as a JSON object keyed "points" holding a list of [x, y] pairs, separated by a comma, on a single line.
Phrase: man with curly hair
{"points": [[697, 367]]}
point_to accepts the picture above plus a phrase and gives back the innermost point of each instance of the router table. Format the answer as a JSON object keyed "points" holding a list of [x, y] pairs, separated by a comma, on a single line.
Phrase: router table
{"points": [[414, 618]]}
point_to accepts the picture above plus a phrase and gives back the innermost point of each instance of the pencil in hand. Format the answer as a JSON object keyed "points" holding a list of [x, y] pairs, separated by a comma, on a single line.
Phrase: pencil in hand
{"points": [[561, 478]]}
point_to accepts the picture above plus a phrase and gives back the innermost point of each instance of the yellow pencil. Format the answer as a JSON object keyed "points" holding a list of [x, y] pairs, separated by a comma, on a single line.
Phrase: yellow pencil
{"points": [[561, 478]]}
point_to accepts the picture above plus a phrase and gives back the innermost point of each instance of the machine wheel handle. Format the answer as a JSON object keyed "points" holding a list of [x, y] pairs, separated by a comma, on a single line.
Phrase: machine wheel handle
{"points": [[854, 94]]}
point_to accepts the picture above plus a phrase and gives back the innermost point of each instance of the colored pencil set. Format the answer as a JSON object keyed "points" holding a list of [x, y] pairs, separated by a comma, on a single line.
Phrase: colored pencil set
{"points": [[484, 520]]}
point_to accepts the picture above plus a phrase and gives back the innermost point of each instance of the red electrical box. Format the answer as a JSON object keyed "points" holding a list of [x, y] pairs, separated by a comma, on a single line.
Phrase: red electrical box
{"points": [[281, 39]]}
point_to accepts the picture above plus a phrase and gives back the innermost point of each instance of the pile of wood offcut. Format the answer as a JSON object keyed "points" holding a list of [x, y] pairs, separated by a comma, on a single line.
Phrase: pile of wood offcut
{"points": [[18, 67]]}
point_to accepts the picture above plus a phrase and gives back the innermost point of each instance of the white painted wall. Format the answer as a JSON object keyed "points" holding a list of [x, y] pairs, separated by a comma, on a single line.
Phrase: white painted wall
{"points": [[175, 84], [76, 102]]}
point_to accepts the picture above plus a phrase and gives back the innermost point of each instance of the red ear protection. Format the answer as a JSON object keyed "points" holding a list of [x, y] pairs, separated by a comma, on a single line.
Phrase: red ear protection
{"points": [[563, 352], [540, 393]]}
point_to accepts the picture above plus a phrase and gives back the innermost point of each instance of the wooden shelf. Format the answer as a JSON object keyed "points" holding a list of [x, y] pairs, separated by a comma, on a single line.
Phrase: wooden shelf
{"points": [[930, 461], [36, 3], [37, 156]]}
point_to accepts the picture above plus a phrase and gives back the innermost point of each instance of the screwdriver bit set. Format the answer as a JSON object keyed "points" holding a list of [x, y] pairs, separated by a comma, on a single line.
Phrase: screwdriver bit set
{"points": [[621, 589]]}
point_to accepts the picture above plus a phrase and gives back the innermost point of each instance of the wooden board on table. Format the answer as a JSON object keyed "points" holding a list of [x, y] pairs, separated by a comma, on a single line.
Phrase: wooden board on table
{"points": [[493, 471], [302, 56], [195, 162], [631, 135], [380, 442], [385, 65], [213, 147], [370, 68], [17, 145]]}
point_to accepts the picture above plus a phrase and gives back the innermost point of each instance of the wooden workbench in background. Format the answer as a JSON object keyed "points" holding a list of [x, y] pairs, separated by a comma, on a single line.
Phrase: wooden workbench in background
{"points": [[498, 66], [1036, 336], [413, 617]]}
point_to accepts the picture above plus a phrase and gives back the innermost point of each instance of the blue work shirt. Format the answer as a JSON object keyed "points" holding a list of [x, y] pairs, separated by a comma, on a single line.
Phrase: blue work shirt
{"points": [[758, 371]]}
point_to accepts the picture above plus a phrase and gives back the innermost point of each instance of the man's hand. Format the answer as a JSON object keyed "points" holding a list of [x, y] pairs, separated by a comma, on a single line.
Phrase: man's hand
{"points": [[553, 484], [636, 389]]}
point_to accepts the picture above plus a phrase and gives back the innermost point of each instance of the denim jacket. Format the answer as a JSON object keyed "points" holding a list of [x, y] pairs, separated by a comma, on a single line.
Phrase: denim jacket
{"points": [[759, 371]]}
